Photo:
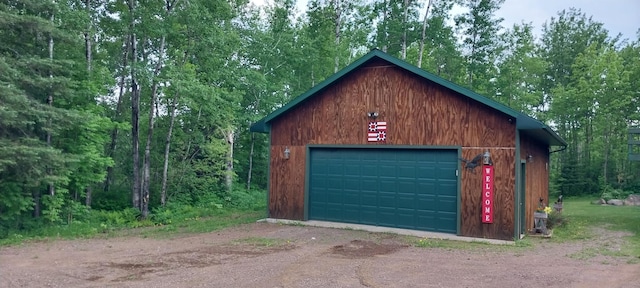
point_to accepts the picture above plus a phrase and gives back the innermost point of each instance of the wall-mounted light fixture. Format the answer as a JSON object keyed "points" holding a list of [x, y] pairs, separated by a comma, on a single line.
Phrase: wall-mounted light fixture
{"points": [[287, 153], [529, 158], [486, 158], [373, 115]]}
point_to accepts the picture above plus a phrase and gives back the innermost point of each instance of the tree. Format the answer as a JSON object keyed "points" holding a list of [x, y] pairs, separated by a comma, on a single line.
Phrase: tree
{"points": [[519, 84], [441, 51], [38, 66], [396, 25], [424, 32], [563, 39], [479, 28]]}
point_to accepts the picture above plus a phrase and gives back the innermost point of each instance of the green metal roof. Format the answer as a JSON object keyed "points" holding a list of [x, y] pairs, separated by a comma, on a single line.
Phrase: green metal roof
{"points": [[525, 123]]}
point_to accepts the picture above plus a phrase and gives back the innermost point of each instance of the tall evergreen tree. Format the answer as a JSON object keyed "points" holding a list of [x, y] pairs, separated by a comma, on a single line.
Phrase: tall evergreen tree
{"points": [[51, 132]]}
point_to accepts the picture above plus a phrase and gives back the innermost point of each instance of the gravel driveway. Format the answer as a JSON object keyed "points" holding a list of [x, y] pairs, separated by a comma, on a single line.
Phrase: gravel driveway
{"points": [[275, 255]]}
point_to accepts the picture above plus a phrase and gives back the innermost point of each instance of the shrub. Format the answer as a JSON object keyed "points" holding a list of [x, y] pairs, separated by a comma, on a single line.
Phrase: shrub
{"points": [[115, 218], [609, 193], [246, 199], [555, 219]]}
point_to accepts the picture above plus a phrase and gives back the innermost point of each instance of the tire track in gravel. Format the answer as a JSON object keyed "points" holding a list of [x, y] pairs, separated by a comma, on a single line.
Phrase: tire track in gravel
{"points": [[364, 275], [312, 264], [346, 265]]}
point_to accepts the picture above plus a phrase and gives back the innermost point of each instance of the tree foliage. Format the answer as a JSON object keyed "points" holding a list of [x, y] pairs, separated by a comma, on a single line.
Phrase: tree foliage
{"points": [[86, 85]]}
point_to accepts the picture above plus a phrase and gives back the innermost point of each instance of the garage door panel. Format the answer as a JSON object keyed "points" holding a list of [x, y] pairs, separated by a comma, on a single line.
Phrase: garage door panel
{"points": [[408, 188], [425, 222], [334, 182], [386, 170], [406, 201], [369, 199], [386, 199], [423, 186], [407, 171], [352, 184], [428, 205], [351, 199], [423, 173], [446, 204], [351, 212]]}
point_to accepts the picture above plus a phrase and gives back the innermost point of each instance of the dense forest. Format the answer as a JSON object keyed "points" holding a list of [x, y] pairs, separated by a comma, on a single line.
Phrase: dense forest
{"points": [[109, 105]]}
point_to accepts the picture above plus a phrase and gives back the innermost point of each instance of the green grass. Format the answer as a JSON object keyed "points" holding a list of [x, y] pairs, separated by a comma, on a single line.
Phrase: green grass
{"points": [[473, 245], [213, 219], [582, 216], [261, 242], [223, 220]]}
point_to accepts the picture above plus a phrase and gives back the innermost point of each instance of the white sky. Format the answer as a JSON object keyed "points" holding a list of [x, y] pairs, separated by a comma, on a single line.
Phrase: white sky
{"points": [[618, 16]]}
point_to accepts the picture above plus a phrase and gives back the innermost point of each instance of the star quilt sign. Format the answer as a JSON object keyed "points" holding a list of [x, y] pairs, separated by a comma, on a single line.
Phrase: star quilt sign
{"points": [[377, 131]]}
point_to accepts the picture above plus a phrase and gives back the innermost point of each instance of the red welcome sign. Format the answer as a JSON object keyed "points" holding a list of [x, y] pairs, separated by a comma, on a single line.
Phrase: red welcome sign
{"points": [[487, 194]]}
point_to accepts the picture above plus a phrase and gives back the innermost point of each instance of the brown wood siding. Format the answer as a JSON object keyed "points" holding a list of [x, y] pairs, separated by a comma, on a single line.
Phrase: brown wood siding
{"points": [[504, 196], [537, 176], [286, 196], [417, 112]]}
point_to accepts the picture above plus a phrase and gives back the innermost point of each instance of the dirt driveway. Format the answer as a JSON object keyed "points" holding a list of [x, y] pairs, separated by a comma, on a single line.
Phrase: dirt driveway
{"points": [[275, 255]]}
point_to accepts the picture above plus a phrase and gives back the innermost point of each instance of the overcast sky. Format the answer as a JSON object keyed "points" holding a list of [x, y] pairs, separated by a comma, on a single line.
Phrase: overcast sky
{"points": [[618, 16]]}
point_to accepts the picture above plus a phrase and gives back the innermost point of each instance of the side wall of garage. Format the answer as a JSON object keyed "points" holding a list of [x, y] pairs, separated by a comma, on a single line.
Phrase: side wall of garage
{"points": [[537, 176], [417, 112]]}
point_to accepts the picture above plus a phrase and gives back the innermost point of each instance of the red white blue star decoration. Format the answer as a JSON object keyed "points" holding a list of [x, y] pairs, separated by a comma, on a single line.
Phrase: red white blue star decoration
{"points": [[377, 131]]}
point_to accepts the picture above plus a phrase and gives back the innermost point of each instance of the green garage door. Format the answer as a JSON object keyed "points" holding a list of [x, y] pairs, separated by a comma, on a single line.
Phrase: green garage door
{"points": [[404, 188]]}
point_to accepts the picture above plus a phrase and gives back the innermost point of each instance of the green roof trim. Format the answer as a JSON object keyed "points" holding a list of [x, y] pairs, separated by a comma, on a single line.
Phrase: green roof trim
{"points": [[529, 125]]}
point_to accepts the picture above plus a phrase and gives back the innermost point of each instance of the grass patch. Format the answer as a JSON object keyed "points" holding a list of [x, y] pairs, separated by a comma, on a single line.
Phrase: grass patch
{"points": [[583, 217], [98, 227], [261, 242], [585, 254], [464, 245]]}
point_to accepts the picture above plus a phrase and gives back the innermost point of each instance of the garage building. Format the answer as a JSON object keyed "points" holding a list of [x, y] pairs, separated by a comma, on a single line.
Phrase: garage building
{"points": [[385, 143]]}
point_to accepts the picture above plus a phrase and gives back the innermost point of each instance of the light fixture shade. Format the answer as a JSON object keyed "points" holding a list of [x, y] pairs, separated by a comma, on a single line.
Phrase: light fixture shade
{"points": [[287, 152], [486, 158]]}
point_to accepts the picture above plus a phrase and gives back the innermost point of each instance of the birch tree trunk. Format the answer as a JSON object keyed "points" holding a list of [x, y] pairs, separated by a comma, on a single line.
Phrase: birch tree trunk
{"points": [[167, 147], [253, 141], [118, 112], [135, 111], [167, 144], [338, 16], [424, 33], [51, 186], [88, 56], [384, 25], [147, 150], [229, 173], [404, 29]]}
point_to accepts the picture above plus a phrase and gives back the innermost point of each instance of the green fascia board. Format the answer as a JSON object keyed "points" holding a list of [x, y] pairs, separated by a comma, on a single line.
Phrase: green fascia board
{"points": [[523, 121], [259, 126]]}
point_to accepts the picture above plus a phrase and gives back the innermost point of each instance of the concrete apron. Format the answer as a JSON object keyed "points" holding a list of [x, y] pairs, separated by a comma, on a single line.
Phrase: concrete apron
{"points": [[380, 229]]}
